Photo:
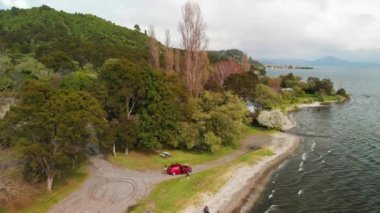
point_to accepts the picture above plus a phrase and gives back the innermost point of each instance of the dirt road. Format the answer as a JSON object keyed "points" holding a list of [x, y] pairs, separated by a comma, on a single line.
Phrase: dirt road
{"points": [[112, 189]]}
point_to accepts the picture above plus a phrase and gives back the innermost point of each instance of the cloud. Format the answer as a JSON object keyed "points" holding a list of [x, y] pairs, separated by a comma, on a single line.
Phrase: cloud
{"points": [[13, 3], [262, 28]]}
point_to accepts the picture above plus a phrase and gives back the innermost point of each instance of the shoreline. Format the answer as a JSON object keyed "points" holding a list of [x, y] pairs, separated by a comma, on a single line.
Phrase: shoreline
{"points": [[243, 190], [249, 180]]}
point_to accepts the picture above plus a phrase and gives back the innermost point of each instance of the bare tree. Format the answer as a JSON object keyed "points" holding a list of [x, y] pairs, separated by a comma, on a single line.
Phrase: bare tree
{"points": [[153, 48], [177, 61], [169, 55], [225, 69], [245, 63], [194, 42]]}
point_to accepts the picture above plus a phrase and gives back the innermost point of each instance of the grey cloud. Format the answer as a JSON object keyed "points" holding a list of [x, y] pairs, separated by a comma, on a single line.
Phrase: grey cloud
{"points": [[263, 28]]}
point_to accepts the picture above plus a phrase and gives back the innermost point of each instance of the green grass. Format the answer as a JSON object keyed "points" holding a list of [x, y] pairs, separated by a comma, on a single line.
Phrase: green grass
{"points": [[147, 161], [289, 104], [173, 195], [143, 161], [61, 189]]}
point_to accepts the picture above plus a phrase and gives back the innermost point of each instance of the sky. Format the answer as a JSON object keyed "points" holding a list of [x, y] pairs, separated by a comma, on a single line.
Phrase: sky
{"points": [[264, 29]]}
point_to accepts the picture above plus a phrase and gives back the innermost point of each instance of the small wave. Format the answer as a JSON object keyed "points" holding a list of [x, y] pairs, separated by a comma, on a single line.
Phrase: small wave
{"points": [[275, 177], [271, 208], [283, 164], [304, 156], [270, 196], [300, 192], [313, 147]]}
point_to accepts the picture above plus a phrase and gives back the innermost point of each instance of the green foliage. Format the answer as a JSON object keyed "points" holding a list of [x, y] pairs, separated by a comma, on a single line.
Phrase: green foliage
{"points": [[53, 127], [342, 92], [15, 71], [59, 62], [267, 97], [80, 80], [244, 85], [157, 102], [83, 38], [222, 114], [324, 86]]}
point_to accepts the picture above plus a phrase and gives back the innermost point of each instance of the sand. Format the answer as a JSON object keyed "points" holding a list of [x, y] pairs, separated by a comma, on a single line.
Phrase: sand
{"points": [[250, 179]]}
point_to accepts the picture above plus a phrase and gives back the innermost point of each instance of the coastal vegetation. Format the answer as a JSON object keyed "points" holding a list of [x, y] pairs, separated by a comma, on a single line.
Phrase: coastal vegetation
{"points": [[165, 197], [82, 82]]}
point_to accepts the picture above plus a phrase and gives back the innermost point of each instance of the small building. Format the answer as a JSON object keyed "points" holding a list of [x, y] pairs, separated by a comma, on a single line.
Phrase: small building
{"points": [[253, 107]]}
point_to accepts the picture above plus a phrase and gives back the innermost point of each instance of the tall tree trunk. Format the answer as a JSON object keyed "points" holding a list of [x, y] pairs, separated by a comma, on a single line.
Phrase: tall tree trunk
{"points": [[114, 150], [126, 151], [50, 179]]}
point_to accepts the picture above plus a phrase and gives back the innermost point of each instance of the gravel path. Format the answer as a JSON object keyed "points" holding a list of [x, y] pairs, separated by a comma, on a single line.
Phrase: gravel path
{"points": [[113, 189]]}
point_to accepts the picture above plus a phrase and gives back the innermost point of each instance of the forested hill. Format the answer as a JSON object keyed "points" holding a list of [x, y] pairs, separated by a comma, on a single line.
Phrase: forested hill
{"points": [[84, 38]]}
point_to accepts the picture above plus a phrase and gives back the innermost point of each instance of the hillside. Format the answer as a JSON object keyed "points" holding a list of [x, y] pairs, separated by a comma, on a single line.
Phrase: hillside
{"points": [[84, 38]]}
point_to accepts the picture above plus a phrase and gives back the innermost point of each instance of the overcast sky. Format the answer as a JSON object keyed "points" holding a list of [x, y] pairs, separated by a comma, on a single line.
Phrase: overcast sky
{"points": [[265, 29]]}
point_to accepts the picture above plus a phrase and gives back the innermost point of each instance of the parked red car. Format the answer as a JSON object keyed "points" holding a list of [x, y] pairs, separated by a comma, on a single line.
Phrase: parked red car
{"points": [[178, 169]]}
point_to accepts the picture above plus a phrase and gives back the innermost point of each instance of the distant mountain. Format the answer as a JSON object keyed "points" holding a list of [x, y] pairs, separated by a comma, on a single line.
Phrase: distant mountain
{"points": [[331, 61], [325, 61], [82, 37]]}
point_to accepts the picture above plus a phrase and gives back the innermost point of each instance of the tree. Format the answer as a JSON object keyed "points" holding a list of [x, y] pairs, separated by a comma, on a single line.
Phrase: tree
{"points": [[177, 61], [169, 55], [153, 48], [126, 89], [275, 84], [224, 69], [244, 85], [77, 81], [53, 127], [137, 28], [246, 66], [222, 114], [59, 62], [194, 43], [342, 92], [267, 97]]}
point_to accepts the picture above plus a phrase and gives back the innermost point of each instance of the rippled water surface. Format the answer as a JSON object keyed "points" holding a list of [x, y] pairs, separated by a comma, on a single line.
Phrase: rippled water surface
{"points": [[337, 168]]}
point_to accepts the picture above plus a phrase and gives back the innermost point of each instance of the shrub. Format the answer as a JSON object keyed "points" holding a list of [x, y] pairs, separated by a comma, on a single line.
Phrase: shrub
{"points": [[341, 92], [273, 119]]}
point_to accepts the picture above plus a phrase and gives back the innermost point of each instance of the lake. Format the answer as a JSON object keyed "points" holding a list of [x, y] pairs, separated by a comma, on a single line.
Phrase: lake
{"points": [[337, 167]]}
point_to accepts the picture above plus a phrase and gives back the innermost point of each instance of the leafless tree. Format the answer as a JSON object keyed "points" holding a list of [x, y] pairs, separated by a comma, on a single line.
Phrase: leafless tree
{"points": [[194, 42], [224, 69], [153, 48], [246, 66], [169, 55], [177, 60]]}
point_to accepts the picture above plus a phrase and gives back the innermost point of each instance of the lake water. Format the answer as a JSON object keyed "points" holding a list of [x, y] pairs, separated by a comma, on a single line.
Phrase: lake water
{"points": [[337, 167]]}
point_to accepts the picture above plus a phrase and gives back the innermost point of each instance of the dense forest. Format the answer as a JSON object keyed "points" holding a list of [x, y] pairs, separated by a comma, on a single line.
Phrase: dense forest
{"points": [[76, 80]]}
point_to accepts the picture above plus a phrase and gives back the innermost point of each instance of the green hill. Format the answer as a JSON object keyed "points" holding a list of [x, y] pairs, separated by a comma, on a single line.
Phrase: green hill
{"points": [[84, 38]]}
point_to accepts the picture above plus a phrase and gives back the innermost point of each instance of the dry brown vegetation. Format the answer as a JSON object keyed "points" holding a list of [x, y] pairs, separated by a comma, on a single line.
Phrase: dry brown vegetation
{"points": [[13, 191]]}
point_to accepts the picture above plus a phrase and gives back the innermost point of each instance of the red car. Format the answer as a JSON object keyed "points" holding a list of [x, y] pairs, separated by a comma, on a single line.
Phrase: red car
{"points": [[178, 169]]}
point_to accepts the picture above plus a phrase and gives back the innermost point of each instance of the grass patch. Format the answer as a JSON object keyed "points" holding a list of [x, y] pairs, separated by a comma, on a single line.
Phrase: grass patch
{"points": [[148, 161], [251, 157], [173, 195], [61, 189], [143, 161]]}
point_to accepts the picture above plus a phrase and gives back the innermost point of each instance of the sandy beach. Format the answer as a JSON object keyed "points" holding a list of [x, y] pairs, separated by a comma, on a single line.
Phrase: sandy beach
{"points": [[250, 179]]}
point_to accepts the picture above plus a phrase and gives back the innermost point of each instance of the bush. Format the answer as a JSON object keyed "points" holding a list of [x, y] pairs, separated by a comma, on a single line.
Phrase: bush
{"points": [[267, 97], [341, 92], [273, 119]]}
